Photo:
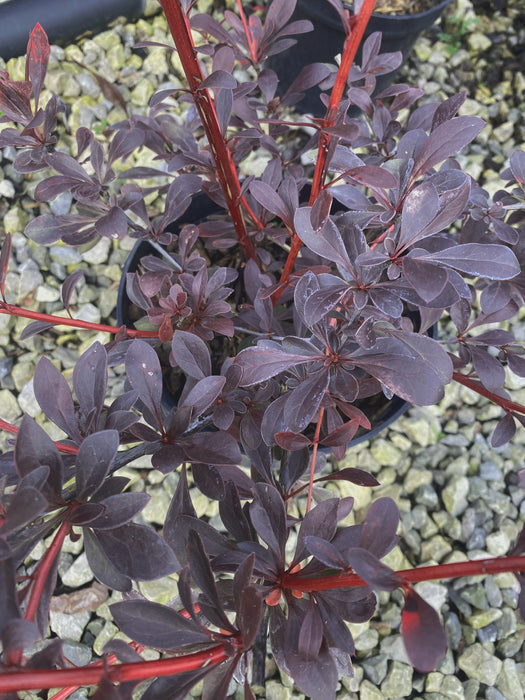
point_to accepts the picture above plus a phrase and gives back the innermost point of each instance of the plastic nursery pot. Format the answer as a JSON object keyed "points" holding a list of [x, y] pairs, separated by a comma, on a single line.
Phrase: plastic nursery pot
{"points": [[400, 33], [381, 411], [62, 20]]}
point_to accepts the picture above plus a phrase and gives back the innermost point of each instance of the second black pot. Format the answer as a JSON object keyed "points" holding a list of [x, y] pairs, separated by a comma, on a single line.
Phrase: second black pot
{"points": [[62, 20], [400, 33]]}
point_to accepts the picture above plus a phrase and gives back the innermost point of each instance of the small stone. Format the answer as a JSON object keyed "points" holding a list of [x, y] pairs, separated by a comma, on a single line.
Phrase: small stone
{"points": [[398, 682], [375, 668], [277, 691], [471, 689], [433, 593], [478, 42], [385, 452], [416, 478], [504, 131], [484, 618], [453, 630], [69, 626], [394, 648], [46, 293], [7, 189], [64, 255], [98, 253], [367, 691], [78, 654], [490, 472], [142, 92], [79, 573], [498, 543], [435, 549], [477, 663], [161, 590], [367, 640], [61, 204], [455, 495], [475, 595], [508, 682], [10, 408]]}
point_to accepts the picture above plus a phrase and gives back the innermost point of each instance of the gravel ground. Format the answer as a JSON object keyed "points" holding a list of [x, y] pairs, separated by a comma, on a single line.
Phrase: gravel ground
{"points": [[458, 497]]}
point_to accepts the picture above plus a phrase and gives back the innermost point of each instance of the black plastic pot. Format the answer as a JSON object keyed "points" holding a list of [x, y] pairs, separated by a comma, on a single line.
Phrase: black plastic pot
{"points": [[62, 20], [382, 411], [400, 33]]}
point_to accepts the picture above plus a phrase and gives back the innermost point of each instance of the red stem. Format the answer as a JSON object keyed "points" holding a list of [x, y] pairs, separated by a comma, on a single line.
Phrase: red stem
{"points": [[226, 170], [91, 675], [66, 449], [479, 389], [13, 310], [352, 41], [343, 579], [45, 565], [249, 39]]}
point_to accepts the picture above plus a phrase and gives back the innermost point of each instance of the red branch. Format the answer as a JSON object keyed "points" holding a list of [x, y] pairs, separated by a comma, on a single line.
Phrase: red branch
{"points": [[479, 389], [119, 673], [226, 170], [344, 579], [13, 310], [66, 449], [352, 41]]}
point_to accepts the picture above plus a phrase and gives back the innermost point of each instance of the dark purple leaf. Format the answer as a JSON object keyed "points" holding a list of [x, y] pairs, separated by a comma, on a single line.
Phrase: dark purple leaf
{"points": [[418, 372], [69, 285], [321, 521], [326, 242], [504, 431], [489, 260], [250, 614], [90, 379], [8, 597], [34, 448], [17, 635], [191, 354], [378, 531], [54, 397], [215, 448], [325, 552], [85, 514], [338, 634], [25, 506], [219, 79], [292, 441], [113, 225], [372, 176], [138, 552], [5, 254], [489, 370], [355, 476], [156, 625], [268, 517], [203, 395], [202, 574], [310, 634], [270, 200], [94, 458], [304, 401], [120, 509], [424, 650], [261, 363], [445, 141], [373, 571], [145, 376], [517, 166], [448, 109]]}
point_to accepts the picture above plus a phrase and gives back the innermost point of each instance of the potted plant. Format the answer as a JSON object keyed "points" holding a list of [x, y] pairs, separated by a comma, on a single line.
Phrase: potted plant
{"points": [[324, 317]]}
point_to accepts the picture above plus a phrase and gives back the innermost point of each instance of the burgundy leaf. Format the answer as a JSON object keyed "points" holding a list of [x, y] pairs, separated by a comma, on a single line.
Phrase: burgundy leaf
{"points": [[38, 51], [156, 625], [203, 395], [138, 552], [268, 517], [102, 565], [304, 401], [113, 225], [5, 254], [34, 448], [517, 166], [372, 176], [270, 200], [373, 571], [120, 509], [378, 531], [446, 141], [94, 458], [424, 650], [355, 476], [145, 376], [219, 79], [191, 354], [261, 363], [90, 379], [490, 260], [54, 397], [69, 285], [325, 552], [217, 448], [504, 431], [250, 614], [448, 109], [292, 441]]}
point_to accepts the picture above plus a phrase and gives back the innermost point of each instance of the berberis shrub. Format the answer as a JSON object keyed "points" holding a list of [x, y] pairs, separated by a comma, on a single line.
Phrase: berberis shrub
{"points": [[272, 315]]}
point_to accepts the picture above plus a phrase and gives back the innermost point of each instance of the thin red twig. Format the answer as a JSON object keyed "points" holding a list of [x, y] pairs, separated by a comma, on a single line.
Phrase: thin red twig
{"points": [[479, 389]]}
